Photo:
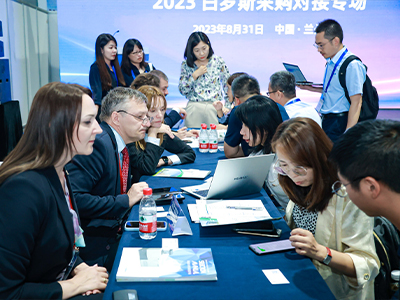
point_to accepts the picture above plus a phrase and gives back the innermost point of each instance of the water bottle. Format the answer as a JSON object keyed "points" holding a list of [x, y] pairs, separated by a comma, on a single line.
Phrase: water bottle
{"points": [[203, 139], [147, 216], [213, 139]]}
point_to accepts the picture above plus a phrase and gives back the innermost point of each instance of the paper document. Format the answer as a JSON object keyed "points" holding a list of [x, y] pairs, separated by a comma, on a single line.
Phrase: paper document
{"points": [[224, 212], [182, 173]]}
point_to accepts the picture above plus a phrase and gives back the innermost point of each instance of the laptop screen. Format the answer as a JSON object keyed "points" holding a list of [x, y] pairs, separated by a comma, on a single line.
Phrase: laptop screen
{"points": [[295, 70]]}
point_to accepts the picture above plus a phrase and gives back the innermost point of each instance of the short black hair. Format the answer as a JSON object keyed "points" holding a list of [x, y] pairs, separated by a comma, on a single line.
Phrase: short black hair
{"points": [[285, 82], [194, 39], [245, 85], [262, 116], [331, 28], [370, 148]]}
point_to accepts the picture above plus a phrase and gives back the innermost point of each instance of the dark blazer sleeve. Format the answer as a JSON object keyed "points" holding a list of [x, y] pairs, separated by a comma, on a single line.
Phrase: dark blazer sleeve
{"points": [[95, 83], [144, 161], [172, 118], [94, 180], [128, 78], [180, 148], [32, 249]]}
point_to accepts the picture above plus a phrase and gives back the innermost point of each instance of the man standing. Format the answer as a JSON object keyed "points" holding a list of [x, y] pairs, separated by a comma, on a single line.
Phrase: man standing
{"points": [[338, 114], [368, 160], [282, 89], [243, 87], [101, 181]]}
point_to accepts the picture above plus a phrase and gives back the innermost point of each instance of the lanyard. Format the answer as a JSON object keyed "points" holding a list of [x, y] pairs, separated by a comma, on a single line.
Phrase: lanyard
{"points": [[115, 74], [293, 101], [334, 69], [133, 74]]}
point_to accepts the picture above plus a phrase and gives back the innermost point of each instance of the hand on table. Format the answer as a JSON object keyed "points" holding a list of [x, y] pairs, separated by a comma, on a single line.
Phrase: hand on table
{"points": [[305, 244]]}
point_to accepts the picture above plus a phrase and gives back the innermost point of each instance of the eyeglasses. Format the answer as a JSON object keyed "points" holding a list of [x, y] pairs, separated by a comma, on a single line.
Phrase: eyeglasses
{"points": [[144, 120], [137, 52], [284, 170], [269, 93], [339, 189], [322, 45]]}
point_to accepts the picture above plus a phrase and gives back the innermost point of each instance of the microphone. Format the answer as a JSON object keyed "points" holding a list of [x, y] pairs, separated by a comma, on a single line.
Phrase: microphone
{"points": [[115, 32]]}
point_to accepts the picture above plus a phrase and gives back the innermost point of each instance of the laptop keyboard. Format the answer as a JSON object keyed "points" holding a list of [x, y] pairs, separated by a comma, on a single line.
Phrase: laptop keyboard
{"points": [[202, 193]]}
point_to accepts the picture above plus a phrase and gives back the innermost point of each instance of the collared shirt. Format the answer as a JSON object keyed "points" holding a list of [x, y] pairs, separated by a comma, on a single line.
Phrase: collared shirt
{"points": [[301, 109], [120, 144], [334, 100]]}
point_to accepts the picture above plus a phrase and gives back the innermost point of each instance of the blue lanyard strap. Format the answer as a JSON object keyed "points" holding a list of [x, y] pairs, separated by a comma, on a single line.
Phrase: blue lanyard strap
{"points": [[334, 69], [115, 74], [133, 74], [293, 101]]}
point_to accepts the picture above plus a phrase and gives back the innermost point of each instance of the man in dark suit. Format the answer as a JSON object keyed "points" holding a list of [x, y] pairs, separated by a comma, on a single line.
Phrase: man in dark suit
{"points": [[101, 181]]}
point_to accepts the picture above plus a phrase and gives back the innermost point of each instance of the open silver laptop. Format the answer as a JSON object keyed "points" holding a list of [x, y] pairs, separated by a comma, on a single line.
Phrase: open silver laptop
{"points": [[298, 75], [234, 178]]}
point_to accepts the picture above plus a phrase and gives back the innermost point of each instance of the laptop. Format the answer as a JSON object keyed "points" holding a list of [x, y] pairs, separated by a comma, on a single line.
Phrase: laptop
{"points": [[234, 178], [298, 75]]}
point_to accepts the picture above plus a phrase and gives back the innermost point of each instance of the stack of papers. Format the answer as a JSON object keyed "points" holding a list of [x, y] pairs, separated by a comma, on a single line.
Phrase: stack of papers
{"points": [[225, 212]]}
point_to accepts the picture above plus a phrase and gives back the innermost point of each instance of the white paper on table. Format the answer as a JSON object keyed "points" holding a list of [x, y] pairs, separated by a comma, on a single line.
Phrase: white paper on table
{"points": [[162, 214], [275, 276], [216, 212], [160, 208], [194, 215]]}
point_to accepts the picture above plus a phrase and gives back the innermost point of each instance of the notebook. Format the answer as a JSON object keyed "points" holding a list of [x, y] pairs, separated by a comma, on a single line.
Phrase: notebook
{"points": [[298, 75], [234, 178]]}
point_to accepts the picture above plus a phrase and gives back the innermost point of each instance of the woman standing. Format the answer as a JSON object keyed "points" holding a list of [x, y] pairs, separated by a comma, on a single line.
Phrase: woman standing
{"points": [[39, 227], [133, 63], [327, 226], [105, 73], [202, 75]]}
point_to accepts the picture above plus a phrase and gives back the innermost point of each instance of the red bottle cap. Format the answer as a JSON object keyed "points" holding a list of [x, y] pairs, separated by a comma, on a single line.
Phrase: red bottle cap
{"points": [[147, 191], [213, 126], [203, 126]]}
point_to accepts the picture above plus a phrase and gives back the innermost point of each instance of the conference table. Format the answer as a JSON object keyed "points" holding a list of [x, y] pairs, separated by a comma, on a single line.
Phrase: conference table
{"points": [[239, 270]]}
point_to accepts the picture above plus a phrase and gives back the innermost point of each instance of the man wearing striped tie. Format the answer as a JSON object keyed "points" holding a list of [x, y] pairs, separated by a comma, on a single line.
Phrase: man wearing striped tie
{"points": [[101, 181]]}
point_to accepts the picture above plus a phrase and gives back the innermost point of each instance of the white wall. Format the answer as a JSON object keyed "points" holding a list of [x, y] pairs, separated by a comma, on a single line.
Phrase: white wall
{"points": [[33, 61]]}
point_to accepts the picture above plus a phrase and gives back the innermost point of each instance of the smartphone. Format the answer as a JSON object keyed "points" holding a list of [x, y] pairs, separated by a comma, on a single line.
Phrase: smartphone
{"points": [[134, 226], [163, 196], [271, 247]]}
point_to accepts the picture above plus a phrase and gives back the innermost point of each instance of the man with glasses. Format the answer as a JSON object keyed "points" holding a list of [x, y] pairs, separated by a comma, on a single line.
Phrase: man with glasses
{"points": [[101, 181], [282, 89], [367, 157], [338, 114], [243, 87]]}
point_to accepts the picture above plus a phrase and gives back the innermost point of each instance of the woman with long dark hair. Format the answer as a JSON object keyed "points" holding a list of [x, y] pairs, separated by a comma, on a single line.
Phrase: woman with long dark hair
{"points": [[105, 73], [40, 233], [133, 62], [202, 75], [327, 226]]}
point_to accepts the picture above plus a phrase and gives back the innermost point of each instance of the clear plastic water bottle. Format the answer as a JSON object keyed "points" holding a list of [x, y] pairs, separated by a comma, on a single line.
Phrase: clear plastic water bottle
{"points": [[147, 216], [213, 139], [203, 139]]}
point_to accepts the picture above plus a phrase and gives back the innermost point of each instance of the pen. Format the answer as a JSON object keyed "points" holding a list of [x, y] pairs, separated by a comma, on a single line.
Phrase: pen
{"points": [[244, 207]]}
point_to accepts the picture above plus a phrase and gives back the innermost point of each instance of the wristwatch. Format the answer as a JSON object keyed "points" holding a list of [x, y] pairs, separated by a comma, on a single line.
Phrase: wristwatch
{"points": [[165, 159], [328, 257]]}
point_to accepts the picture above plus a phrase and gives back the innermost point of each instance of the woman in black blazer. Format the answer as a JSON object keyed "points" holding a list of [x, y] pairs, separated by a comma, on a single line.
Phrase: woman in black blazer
{"points": [[133, 61], [145, 155], [39, 222], [105, 73]]}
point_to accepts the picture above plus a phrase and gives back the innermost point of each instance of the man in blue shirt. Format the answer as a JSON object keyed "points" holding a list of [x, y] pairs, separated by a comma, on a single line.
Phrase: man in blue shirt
{"points": [[243, 87], [337, 113]]}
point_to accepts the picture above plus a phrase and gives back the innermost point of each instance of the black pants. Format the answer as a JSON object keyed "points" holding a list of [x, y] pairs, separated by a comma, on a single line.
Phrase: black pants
{"points": [[334, 126]]}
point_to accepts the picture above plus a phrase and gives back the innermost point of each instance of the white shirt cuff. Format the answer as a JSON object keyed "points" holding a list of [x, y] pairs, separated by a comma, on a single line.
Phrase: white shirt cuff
{"points": [[175, 159], [152, 140], [176, 109]]}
